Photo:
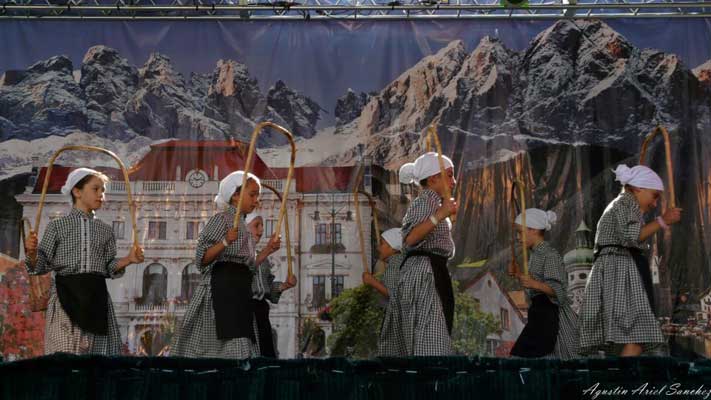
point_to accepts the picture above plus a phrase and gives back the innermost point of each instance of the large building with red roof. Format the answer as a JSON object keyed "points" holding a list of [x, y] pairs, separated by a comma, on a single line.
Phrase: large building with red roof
{"points": [[173, 187]]}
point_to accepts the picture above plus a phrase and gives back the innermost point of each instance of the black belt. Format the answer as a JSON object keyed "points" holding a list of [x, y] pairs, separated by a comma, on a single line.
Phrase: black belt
{"points": [[85, 300], [231, 285], [642, 267], [443, 283]]}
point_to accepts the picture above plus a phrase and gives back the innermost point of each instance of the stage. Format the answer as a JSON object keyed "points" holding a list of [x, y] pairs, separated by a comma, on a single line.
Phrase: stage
{"points": [[94, 377]]}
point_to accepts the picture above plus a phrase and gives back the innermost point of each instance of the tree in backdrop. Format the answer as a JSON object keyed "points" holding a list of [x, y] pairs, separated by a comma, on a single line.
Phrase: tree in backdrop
{"points": [[471, 325], [358, 313], [22, 330]]}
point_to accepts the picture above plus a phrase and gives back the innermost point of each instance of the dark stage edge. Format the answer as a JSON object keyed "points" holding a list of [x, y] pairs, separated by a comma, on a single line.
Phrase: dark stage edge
{"points": [[65, 376]]}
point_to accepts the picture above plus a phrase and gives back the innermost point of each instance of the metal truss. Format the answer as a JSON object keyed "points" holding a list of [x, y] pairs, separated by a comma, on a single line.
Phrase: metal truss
{"points": [[249, 10]]}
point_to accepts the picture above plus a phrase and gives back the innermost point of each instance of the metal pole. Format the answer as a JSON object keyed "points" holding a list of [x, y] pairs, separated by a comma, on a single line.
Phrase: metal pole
{"points": [[333, 247]]}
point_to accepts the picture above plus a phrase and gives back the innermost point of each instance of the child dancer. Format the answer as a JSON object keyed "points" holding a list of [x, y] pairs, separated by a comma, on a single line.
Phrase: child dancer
{"points": [[551, 330], [220, 319], [617, 311], [424, 294], [390, 343], [264, 288], [80, 251]]}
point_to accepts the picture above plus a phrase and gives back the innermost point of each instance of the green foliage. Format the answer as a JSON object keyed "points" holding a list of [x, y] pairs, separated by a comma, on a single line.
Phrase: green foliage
{"points": [[357, 317], [471, 325], [312, 338]]}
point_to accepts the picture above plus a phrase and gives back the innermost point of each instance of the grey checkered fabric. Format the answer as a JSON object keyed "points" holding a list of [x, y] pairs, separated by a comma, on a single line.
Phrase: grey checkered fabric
{"points": [[545, 265], [424, 328], [390, 342], [75, 244], [265, 287], [198, 334], [615, 309]]}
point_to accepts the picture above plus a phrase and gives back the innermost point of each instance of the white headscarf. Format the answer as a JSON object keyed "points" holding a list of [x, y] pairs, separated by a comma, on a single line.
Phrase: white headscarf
{"points": [[251, 217], [407, 174], [74, 178], [639, 176], [394, 238], [230, 184], [427, 165], [538, 219]]}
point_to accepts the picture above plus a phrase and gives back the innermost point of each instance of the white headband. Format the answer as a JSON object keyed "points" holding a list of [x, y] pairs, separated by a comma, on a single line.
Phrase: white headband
{"points": [[251, 217], [394, 238], [427, 165], [639, 176], [230, 184], [74, 178], [538, 219], [407, 174]]}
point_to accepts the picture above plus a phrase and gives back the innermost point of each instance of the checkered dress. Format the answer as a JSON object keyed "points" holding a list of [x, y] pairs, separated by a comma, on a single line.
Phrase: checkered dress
{"points": [[265, 287], [421, 319], [77, 243], [198, 334], [545, 265], [615, 309], [390, 343]]}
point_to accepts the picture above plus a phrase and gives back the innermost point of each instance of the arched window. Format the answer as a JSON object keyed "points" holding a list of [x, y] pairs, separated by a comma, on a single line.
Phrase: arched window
{"points": [[190, 280], [155, 284]]}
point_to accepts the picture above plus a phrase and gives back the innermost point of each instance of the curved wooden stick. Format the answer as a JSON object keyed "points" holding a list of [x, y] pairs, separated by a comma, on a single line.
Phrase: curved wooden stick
{"points": [[48, 173], [25, 226], [290, 272], [432, 135], [513, 267], [667, 150], [248, 167], [356, 191]]}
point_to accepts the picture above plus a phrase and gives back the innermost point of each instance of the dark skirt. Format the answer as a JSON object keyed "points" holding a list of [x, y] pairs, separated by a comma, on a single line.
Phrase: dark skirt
{"points": [[443, 283], [85, 299], [231, 285], [539, 336], [264, 329]]}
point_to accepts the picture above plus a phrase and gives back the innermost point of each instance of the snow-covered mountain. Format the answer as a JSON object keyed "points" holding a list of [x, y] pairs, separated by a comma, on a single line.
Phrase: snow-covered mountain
{"points": [[577, 82]]}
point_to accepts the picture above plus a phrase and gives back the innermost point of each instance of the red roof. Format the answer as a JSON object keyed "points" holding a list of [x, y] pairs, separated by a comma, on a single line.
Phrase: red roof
{"points": [[60, 174], [161, 162], [319, 179]]}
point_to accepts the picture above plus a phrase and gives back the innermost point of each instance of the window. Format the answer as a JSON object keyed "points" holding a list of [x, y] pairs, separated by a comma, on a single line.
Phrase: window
{"points": [[491, 346], [157, 230], [269, 227], [338, 285], [119, 229], [155, 285], [193, 228], [367, 177], [319, 291], [505, 322], [338, 233], [190, 280], [323, 234]]}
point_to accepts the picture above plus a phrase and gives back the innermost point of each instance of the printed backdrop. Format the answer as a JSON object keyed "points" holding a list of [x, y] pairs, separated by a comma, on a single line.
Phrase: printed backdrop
{"points": [[555, 104]]}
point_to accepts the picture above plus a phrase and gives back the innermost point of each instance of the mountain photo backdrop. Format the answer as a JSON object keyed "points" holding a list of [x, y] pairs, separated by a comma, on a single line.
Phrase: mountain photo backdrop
{"points": [[555, 104]]}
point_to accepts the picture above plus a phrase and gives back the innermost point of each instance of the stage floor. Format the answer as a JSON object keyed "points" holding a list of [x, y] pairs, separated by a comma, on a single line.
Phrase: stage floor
{"points": [[93, 377]]}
